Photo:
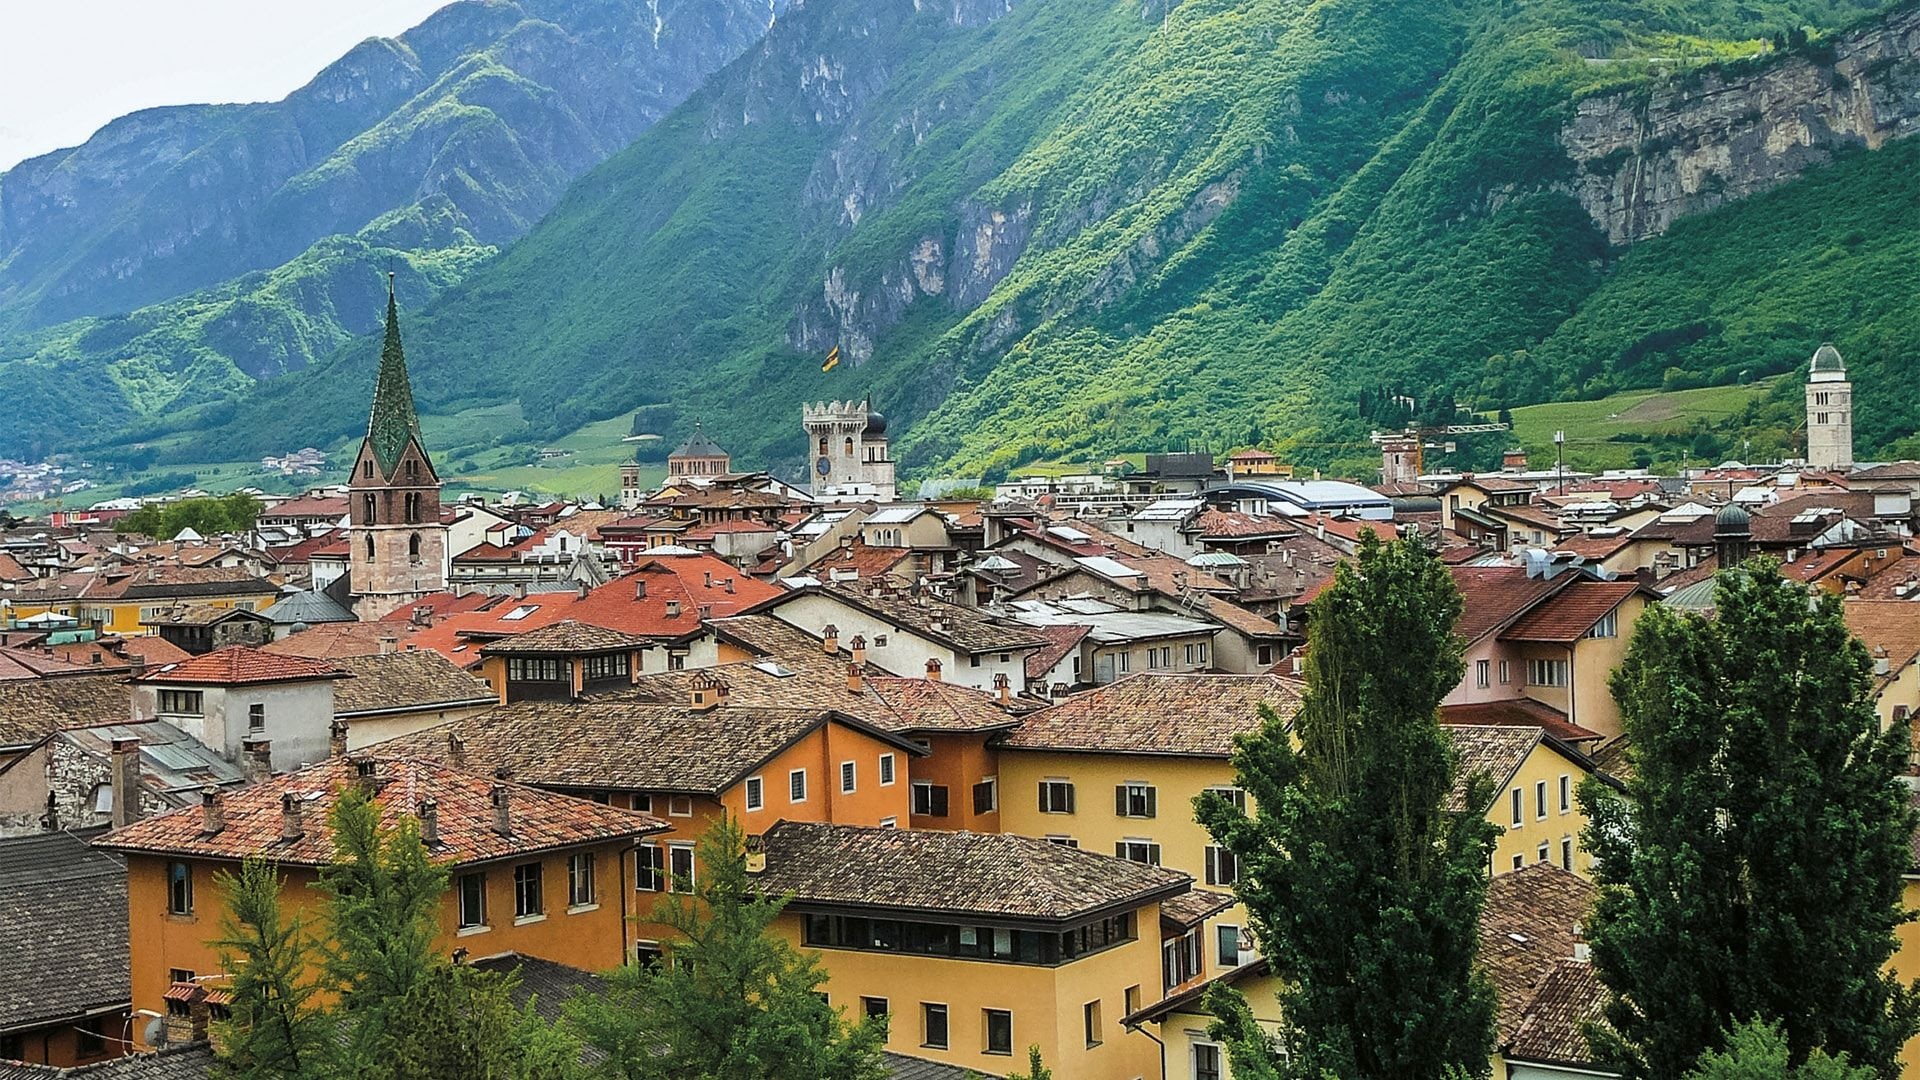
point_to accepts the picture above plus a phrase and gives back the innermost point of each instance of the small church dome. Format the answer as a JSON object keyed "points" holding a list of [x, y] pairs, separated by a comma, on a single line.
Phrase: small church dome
{"points": [[1732, 518], [876, 423], [1827, 358]]}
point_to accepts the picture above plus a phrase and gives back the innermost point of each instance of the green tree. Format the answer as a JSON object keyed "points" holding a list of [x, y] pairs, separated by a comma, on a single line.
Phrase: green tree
{"points": [[1753, 866], [729, 1001], [234, 513], [457, 1023], [1757, 1050], [1363, 888], [275, 1031]]}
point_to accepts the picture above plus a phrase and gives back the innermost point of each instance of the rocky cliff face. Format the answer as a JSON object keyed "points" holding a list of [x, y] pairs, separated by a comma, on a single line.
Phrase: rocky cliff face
{"points": [[486, 112], [1698, 141]]}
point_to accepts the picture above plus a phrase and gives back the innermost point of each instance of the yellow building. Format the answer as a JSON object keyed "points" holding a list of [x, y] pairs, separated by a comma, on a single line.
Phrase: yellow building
{"points": [[1535, 801], [977, 946], [124, 600]]}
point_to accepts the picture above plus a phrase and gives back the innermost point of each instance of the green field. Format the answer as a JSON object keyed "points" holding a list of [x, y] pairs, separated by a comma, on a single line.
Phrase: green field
{"points": [[1603, 433]]}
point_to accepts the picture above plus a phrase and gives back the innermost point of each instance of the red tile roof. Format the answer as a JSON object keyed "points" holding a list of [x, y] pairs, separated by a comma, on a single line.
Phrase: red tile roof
{"points": [[238, 664], [1496, 595], [1517, 712], [1061, 640], [27, 662], [1569, 614], [1591, 547], [255, 816]]}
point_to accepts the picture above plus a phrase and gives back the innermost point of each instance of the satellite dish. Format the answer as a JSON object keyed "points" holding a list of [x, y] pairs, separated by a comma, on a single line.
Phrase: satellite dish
{"points": [[155, 1033]]}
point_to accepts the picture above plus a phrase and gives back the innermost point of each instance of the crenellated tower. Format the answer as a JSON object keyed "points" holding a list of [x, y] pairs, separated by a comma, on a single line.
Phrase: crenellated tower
{"points": [[850, 457]]}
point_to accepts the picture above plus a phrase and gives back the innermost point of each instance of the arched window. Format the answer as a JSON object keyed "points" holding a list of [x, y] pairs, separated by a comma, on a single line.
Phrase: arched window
{"points": [[413, 468], [367, 503], [413, 546], [369, 547], [849, 446], [366, 468], [413, 507], [823, 446]]}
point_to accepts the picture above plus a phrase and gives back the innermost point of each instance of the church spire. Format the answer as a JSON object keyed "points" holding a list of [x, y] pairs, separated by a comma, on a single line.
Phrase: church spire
{"points": [[393, 420]]}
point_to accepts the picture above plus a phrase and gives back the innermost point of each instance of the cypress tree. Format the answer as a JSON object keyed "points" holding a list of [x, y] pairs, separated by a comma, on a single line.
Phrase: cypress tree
{"points": [[1752, 869], [1363, 888]]}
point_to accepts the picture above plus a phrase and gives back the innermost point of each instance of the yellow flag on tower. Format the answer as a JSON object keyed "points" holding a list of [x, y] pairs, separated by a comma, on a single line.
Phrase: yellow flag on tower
{"points": [[833, 359]]}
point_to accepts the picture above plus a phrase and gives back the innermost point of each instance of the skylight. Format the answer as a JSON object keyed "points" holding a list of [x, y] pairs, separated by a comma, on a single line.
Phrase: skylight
{"points": [[520, 612]]}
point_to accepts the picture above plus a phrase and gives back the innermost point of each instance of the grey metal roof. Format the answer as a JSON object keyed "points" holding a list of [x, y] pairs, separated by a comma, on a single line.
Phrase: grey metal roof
{"points": [[171, 761], [308, 606], [63, 929]]}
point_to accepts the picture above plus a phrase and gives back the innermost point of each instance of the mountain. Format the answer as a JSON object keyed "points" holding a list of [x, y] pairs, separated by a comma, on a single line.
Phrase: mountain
{"points": [[1081, 226], [204, 246]]}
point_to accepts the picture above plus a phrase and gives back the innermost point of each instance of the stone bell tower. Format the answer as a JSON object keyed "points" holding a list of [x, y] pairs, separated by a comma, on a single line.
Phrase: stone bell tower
{"points": [[849, 455], [1829, 412], [398, 543]]}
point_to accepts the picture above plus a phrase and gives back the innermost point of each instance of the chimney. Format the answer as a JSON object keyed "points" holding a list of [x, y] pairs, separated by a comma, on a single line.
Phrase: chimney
{"points": [[213, 812], [337, 739], [1003, 688], [456, 751], [859, 648], [756, 855], [256, 760], [290, 826], [706, 692], [707, 576], [933, 670], [1581, 951], [430, 823], [388, 643], [192, 1025], [1059, 691], [502, 811], [1881, 664], [728, 585], [124, 765], [365, 773], [830, 640], [673, 609], [581, 589], [855, 683], [422, 615], [519, 590], [138, 664], [639, 588]]}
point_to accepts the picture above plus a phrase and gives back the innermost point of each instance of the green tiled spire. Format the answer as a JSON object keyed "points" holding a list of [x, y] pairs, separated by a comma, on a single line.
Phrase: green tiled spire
{"points": [[393, 421]]}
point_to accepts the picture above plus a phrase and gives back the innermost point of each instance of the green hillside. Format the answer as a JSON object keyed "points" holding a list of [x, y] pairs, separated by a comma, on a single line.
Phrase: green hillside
{"points": [[1227, 221]]}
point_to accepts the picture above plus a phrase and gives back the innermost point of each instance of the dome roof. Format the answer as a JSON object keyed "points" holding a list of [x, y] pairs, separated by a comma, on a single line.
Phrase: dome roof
{"points": [[876, 423], [1732, 518], [1827, 358]]}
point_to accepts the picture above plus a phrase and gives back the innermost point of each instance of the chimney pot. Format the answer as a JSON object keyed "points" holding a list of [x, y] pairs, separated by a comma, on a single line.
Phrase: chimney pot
{"points": [[257, 763], [337, 739], [830, 639], [933, 670], [502, 810], [855, 681], [388, 643], [1003, 688], [430, 823], [290, 825], [213, 815], [456, 751]]}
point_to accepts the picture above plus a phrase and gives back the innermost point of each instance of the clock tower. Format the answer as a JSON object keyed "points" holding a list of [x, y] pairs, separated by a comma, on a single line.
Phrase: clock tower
{"points": [[398, 543], [848, 458]]}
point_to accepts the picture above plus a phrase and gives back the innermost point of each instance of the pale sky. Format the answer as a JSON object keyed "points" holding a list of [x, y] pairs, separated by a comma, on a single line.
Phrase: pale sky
{"points": [[69, 66]]}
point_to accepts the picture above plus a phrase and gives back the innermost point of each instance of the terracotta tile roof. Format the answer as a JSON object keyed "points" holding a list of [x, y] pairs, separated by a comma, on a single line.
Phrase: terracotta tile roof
{"points": [[11, 570], [963, 629], [442, 604], [332, 641], [421, 679], [314, 506], [1517, 712], [955, 873], [1552, 1029], [155, 650], [1493, 485], [32, 708], [1216, 524], [197, 615], [1148, 713], [1893, 625], [160, 582], [564, 638], [1593, 548], [633, 746], [1526, 930], [237, 664], [1496, 751], [540, 820], [1567, 615], [47, 662], [1061, 640], [63, 929], [864, 561], [1194, 907], [1538, 516], [1494, 596], [719, 528]]}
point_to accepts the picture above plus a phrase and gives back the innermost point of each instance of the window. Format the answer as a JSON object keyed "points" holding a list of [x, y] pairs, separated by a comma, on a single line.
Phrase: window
{"points": [[1123, 662], [1519, 861], [90, 1037], [1223, 868], [473, 900], [679, 806], [680, 867], [534, 669], [1263, 655], [181, 702], [1130, 999], [1227, 942], [1062, 839], [1187, 654], [412, 504], [1566, 853], [1546, 673], [1140, 851], [933, 1025], [676, 661], [12, 1048], [1056, 796], [366, 468], [369, 547], [648, 864], [179, 889], [1090, 1017], [1504, 679], [986, 796], [993, 944], [756, 793], [797, 786], [1135, 799], [889, 822], [256, 717], [1543, 852], [998, 1024], [367, 504], [1566, 794], [1206, 1061], [873, 1007], [1482, 673], [1540, 799], [974, 660], [609, 666], [1517, 797], [929, 800], [580, 880], [1233, 795], [1180, 959], [643, 803], [886, 770], [1608, 626], [849, 446], [180, 975], [527, 901], [847, 778]]}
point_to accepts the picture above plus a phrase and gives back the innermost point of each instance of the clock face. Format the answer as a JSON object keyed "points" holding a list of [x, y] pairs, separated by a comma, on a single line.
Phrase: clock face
{"points": [[823, 466]]}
